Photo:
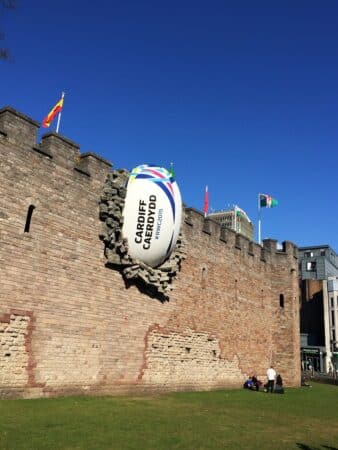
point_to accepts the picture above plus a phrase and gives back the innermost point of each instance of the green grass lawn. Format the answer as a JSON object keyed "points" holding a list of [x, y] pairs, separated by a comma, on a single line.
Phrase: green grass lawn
{"points": [[304, 418]]}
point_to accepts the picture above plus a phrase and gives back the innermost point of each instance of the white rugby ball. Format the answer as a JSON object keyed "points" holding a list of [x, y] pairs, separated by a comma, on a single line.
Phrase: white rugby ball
{"points": [[152, 214]]}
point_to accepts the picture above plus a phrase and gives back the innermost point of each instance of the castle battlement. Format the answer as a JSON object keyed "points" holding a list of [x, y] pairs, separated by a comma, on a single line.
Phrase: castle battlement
{"points": [[266, 253], [21, 131]]}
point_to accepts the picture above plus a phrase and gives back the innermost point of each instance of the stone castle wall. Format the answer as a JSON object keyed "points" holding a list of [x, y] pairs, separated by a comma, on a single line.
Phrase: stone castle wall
{"points": [[69, 324]]}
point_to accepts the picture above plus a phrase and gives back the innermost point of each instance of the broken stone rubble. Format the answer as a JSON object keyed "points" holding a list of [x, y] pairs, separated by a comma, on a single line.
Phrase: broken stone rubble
{"points": [[116, 247]]}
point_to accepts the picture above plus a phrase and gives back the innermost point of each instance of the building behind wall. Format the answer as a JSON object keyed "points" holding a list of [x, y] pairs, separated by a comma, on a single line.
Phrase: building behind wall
{"points": [[70, 324], [318, 268], [235, 219], [332, 287]]}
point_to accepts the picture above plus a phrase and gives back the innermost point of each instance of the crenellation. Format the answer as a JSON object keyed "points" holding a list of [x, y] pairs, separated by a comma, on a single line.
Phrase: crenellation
{"points": [[270, 245], [187, 216], [270, 252], [42, 150], [239, 241], [206, 226], [223, 236], [290, 248], [258, 251], [95, 165], [245, 244], [263, 255], [65, 152], [19, 129], [195, 218], [231, 238], [82, 170]]}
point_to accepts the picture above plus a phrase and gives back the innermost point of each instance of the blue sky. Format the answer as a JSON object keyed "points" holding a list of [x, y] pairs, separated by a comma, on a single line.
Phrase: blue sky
{"points": [[241, 96]]}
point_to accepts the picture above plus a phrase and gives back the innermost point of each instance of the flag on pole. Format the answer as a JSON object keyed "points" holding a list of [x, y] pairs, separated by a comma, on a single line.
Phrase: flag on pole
{"points": [[52, 113], [206, 202], [172, 171], [241, 213], [266, 201]]}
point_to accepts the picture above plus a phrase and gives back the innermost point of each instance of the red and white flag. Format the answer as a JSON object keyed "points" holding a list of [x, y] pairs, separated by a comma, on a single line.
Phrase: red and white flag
{"points": [[206, 202]]}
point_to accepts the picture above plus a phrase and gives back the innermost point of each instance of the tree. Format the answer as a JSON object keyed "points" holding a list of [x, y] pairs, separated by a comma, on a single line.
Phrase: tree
{"points": [[5, 5]]}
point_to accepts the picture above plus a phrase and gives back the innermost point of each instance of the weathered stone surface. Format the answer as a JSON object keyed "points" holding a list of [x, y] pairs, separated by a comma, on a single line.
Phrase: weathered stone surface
{"points": [[14, 359]]}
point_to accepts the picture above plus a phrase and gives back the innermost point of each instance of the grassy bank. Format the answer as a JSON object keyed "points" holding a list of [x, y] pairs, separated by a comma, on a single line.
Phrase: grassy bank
{"points": [[305, 418]]}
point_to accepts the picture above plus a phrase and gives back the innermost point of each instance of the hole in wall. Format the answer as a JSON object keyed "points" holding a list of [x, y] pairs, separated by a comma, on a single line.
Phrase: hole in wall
{"points": [[281, 300], [29, 218], [204, 277]]}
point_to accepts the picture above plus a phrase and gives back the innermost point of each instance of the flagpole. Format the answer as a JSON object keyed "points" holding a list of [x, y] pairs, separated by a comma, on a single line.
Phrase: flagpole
{"points": [[259, 219], [206, 201], [59, 116]]}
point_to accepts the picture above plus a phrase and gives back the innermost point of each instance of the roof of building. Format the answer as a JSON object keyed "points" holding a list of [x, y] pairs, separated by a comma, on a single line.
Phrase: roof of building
{"points": [[313, 247]]}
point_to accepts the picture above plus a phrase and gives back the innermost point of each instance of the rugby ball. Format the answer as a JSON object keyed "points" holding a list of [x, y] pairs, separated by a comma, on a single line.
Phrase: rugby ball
{"points": [[152, 214]]}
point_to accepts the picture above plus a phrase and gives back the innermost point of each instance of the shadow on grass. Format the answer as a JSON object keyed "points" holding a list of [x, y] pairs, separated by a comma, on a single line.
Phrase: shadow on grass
{"points": [[307, 447]]}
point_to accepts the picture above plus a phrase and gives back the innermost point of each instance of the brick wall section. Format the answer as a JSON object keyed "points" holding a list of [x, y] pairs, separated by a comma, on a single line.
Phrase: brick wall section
{"points": [[92, 335], [14, 357], [189, 359]]}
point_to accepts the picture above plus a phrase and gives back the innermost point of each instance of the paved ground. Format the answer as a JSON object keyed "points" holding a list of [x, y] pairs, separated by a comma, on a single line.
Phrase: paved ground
{"points": [[320, 377]]}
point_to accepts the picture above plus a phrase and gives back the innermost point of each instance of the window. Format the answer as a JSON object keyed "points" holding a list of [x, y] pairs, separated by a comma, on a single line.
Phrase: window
{"points": [[29, 218], [332, 318], [322, 253], [311, 266], [281, 300], [308, 254], [332, 302]]}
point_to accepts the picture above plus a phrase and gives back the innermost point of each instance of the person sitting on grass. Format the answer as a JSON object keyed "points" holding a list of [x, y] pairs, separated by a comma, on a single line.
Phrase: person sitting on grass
{"points": [[249, 384], [257, 383], [304, 383]]}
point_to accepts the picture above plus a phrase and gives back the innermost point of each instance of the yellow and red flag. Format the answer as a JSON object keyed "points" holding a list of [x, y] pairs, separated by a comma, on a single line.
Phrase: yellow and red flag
{"points": [[53, 112]]}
